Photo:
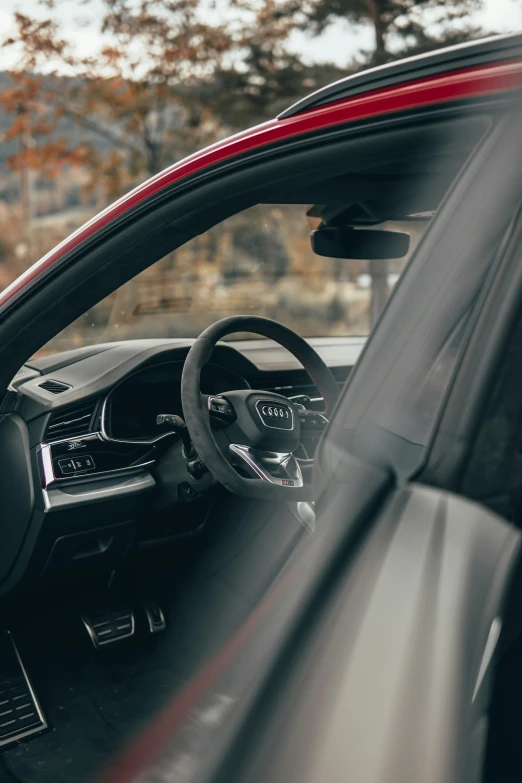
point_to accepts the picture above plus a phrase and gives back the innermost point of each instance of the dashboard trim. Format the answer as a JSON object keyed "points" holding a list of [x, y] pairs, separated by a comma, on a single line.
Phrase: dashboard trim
{"points": [[50, 479], [151, 441], [47, 465], [138, 442], [283, 460], [56, 497]]}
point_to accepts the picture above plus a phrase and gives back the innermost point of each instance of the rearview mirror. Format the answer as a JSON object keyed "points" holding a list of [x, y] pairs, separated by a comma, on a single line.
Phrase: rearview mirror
{"points": [[359, 243]]}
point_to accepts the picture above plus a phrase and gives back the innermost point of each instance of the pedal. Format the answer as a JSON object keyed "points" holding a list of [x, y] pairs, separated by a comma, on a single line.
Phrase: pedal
{"points": [[154, 615], [20, 712], [107, 626]]}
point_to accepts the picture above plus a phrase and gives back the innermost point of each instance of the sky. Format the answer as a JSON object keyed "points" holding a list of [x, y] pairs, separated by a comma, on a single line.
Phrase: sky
{"points": [[337, 44]]}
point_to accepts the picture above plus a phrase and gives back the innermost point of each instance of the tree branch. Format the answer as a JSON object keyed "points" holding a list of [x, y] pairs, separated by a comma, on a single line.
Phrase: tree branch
{"points": [[105, 133]]}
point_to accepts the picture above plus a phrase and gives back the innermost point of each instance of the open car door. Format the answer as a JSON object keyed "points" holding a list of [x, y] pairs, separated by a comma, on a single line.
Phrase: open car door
{"points": [[370, 660], [395, 681]]}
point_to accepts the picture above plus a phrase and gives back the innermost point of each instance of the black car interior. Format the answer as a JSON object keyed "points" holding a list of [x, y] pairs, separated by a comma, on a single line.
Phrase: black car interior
{"points": [[130, 549]]}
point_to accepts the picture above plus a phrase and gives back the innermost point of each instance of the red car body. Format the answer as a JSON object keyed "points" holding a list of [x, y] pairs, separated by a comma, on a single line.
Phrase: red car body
{"points": [[448, 86]]}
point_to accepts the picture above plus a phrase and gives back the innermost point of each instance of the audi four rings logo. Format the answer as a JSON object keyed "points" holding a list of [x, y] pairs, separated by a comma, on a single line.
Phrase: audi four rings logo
{"points": [[278, 417], [272, 410]]}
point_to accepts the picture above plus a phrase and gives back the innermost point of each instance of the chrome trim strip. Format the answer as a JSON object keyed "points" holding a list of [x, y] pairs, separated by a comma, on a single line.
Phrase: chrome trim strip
{"points": [[47, 502], [47, 465], [489, 649], [73, 438], [90, 631], [275, 404], [34, 729], [285, 461], [57, 498], [143, 442], [67, 422]]}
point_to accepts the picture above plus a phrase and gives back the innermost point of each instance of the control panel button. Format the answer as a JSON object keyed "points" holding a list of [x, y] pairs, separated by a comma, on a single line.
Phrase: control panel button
{"points": [[85, 462], [221, 410], [71, 465], [310, 420], [66, 466]]}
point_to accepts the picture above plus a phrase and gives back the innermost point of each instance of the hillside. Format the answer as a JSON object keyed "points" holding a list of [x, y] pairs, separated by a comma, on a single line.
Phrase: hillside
{"points": [[66, 129]]}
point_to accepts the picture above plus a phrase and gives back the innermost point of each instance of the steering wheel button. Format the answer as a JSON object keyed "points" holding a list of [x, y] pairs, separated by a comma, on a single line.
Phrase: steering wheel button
{"points": [[221, 410]]}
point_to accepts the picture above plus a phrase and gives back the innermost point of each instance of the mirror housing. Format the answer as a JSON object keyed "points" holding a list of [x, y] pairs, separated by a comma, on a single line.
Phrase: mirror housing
{"points": [[359, 243]]}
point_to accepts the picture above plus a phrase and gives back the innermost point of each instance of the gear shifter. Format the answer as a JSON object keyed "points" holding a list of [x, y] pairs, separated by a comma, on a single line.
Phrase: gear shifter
{"points": [[177, 425]]}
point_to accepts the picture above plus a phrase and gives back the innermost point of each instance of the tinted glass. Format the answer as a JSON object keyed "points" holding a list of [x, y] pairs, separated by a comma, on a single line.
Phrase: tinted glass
{"points": [[260, 262]]}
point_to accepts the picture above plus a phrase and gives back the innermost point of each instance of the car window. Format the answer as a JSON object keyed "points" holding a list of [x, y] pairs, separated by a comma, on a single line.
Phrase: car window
{"points": [[391, 404], [259, 261]]}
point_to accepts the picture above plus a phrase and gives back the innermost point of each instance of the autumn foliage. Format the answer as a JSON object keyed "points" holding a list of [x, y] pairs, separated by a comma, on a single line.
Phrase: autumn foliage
{"points": [[172, 75]]}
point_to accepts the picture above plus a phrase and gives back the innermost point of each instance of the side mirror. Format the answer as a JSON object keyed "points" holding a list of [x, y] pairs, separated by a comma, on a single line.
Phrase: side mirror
{"points": [[359, 243]]}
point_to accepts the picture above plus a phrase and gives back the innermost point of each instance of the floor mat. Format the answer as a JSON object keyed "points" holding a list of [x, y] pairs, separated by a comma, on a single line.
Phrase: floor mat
{"points": [[95, 701]]}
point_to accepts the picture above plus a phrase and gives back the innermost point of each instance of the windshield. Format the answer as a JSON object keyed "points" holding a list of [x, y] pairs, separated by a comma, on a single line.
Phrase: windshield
{"points": [[259, 261]]}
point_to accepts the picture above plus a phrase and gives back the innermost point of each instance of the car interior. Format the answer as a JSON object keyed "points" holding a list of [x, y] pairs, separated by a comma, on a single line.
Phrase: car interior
{"points": [[132, 545]]}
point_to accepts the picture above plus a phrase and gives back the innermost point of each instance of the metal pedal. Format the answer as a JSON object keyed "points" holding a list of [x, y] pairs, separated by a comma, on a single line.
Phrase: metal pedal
{"points": [[20, 712], [154, 615], [107, 626]]}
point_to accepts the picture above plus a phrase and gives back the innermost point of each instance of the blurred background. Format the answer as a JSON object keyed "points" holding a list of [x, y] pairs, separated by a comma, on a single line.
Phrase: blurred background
{"points": [[98, 95]]}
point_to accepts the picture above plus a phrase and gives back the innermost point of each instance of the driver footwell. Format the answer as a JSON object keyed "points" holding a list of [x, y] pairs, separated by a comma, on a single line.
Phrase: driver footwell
{"points": [[95, 701]]}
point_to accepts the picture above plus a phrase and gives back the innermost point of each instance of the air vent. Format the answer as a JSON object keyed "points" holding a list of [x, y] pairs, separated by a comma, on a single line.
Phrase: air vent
{"points": [[54, 387], [70, 423], [296, 383]]}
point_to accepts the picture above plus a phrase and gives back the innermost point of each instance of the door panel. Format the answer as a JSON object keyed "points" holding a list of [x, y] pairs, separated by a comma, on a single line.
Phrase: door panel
{"points": [[395, 681]]}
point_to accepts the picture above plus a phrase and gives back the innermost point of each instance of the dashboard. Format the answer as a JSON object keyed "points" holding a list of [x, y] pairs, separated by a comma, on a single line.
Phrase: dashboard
{"points": [[87, 477], [132, 407]]}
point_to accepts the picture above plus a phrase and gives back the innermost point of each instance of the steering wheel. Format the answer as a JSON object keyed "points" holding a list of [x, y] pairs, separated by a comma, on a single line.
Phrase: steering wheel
{"points": [[246, 438]]}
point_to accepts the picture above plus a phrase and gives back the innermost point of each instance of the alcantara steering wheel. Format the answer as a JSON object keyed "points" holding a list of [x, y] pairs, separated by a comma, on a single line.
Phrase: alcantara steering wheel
{"points": [[246, 438]]}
